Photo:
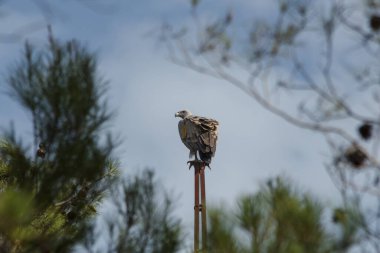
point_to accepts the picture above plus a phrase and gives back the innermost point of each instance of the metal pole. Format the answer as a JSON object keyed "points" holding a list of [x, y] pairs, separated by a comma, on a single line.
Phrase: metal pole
{"points": [[203, 199], [196, 210]]}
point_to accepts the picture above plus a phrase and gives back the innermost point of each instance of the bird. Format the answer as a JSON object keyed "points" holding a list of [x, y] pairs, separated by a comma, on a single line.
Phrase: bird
{"points": [[199, 134], [41, 152]]}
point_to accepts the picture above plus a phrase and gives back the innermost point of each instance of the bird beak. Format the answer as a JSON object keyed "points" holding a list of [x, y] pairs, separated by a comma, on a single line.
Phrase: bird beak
{"points": [[176, 115]]}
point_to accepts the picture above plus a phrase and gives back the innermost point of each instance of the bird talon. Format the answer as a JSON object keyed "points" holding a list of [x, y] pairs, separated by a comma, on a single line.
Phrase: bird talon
{"points": [[198, 163]]}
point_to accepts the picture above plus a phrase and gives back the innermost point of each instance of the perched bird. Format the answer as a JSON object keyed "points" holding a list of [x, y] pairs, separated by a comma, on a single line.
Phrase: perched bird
{"points": [[41, 152], [199, 134]]}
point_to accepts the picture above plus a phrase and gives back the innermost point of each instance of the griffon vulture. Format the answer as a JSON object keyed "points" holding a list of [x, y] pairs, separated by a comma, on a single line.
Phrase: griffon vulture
{"points": [[199, 134]]}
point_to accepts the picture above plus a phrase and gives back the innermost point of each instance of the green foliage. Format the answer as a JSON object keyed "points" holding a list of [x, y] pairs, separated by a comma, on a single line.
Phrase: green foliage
{"points": [[219, 235], [297, 220], [277, 219], [17, 207], [60, 89], [46, 199], [350, 221], [141, 220]]}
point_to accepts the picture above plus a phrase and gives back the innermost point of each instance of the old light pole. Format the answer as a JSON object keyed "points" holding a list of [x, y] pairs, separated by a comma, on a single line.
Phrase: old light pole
{"points": [[199, 187]]}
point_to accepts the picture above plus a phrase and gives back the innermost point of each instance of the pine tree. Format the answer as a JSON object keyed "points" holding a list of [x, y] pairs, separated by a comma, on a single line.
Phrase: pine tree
{"points": [[49, 191], [279, 218], [141, 219]]}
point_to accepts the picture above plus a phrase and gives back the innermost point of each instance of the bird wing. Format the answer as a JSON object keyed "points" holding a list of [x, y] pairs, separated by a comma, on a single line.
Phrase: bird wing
{"points": [[185, 134], [202, 133]]}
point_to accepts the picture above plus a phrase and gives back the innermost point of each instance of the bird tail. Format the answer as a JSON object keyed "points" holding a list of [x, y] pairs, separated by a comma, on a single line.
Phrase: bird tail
{"points": [[206, 157]]}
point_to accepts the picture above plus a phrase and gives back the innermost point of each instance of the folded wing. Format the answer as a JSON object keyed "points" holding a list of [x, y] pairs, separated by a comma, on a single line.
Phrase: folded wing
{"points": [[199, 134]]}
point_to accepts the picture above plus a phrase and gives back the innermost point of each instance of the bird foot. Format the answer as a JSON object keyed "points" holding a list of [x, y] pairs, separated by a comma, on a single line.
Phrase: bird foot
{"points": [[198, 164]]}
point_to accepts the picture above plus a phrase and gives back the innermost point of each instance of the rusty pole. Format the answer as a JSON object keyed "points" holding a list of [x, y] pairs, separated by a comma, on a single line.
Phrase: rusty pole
{"points": [[199, 182], [203, 210], [196, 210]]}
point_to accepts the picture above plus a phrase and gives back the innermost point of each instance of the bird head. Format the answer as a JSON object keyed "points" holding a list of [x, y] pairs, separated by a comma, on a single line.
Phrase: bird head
{"points": [[183, 114]]}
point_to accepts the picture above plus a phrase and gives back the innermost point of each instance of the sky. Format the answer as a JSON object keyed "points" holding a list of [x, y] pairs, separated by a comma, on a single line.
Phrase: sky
{"points": [[147, 89]]}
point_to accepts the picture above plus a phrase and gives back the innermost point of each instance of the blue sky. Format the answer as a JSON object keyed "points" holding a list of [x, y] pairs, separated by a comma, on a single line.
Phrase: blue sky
{"points": [[147, 89]]}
